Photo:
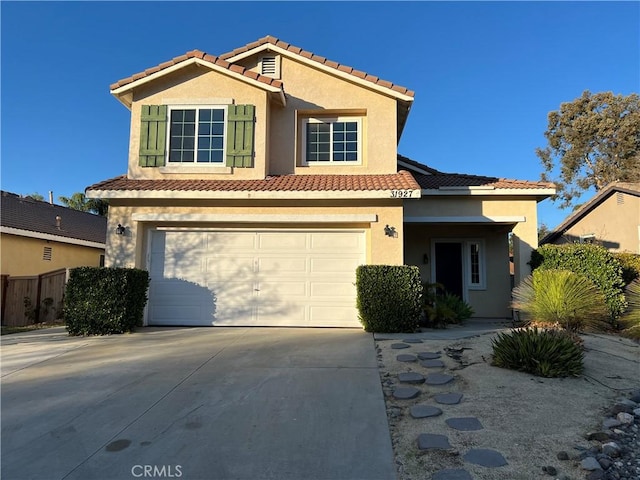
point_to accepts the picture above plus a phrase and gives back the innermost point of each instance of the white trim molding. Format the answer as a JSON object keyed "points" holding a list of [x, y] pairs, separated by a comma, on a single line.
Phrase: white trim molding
{"points": [[50, 237], [470, 219], [488, 190], [253, 218]]}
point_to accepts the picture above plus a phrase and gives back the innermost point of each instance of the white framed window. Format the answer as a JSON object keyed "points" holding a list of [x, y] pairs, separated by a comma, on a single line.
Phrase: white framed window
{"points": [[196, 135], [475, 264], [332, 141]]}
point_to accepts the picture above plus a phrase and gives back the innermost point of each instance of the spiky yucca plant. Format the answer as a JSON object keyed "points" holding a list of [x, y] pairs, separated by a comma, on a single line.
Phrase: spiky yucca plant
{"points": [[546, 353], [550, 297]]}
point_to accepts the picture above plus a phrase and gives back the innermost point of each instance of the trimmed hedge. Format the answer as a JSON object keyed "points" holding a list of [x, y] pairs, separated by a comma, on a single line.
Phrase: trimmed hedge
{"points": [[103, 301], [592, 261], [389, 297]]}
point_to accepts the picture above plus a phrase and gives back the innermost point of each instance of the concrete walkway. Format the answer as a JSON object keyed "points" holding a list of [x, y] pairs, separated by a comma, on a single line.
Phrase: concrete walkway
{"points": [[196, 404]]}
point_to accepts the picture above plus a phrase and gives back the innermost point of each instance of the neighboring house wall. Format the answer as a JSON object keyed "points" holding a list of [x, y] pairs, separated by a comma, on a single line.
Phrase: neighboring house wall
{"points": [[22, 256], [614, 223]]}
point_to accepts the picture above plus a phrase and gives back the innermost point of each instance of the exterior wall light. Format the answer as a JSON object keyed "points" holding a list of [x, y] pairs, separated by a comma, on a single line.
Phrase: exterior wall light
{"points": [[120, 230], [390, 231]]}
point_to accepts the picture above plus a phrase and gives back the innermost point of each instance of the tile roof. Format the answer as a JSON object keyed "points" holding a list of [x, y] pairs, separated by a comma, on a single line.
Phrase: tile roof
{"points": [[280, 183], [203, 56], [25, 213], [317, 58], [437, 179], [583, 210]]}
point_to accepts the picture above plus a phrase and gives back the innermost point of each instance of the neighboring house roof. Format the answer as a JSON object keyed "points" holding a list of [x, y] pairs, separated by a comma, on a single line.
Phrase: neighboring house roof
{"points": [[29, 217], [585, 209], [266, 42], [309, 184], [431, 179]]}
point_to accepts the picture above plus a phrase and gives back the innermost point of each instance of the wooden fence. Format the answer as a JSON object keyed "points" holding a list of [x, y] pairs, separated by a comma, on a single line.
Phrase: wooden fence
{"points": [[44, 293]]}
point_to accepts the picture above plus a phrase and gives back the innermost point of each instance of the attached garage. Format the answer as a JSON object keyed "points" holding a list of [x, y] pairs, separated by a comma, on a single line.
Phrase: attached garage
{"points": [[254, 277]]}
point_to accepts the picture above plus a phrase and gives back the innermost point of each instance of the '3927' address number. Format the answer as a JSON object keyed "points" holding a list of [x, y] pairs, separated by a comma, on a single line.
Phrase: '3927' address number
{"points": [[401, 193]]}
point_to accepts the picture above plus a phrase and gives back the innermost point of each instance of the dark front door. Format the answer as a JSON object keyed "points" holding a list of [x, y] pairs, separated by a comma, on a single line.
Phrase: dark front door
{"points": [[449, 266]]}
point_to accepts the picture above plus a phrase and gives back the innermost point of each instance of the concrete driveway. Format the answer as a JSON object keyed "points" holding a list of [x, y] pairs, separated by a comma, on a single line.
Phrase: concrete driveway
{"points": [[195, 404]]}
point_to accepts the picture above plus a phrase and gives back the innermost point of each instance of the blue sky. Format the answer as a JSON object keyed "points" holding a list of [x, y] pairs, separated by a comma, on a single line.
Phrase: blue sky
{"points": [[485, 73]]}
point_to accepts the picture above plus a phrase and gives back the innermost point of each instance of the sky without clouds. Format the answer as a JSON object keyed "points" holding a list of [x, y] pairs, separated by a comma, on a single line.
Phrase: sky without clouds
{"points": [[485, 73]]}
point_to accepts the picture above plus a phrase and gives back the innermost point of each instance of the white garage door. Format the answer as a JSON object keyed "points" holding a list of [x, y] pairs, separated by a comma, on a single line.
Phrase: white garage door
{"points": [[255, 278]]}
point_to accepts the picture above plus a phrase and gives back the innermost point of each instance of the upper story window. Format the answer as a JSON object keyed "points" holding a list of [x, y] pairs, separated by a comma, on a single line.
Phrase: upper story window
{"points": [[197, 135], [332, 140]]}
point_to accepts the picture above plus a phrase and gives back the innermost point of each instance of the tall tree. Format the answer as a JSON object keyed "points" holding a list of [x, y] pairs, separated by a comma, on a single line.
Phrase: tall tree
{"points": [[78, 201], [592, 141]]}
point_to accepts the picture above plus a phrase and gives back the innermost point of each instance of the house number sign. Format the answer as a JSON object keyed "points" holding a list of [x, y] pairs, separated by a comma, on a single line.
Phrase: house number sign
{"points": [[401, 193]]}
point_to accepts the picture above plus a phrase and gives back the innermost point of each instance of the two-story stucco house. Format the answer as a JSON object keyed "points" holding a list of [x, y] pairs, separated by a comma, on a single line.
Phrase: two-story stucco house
{"points": [[259, 180]]}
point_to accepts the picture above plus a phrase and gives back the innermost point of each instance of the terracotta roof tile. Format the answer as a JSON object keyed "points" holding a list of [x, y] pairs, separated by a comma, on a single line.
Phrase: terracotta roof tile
{"points": [[317, 58], [281, 183], [201, 55]]}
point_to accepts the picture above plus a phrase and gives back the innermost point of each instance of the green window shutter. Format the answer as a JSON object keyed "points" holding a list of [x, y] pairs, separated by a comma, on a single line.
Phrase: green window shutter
{"points": [[240, 130], [153, 135]]}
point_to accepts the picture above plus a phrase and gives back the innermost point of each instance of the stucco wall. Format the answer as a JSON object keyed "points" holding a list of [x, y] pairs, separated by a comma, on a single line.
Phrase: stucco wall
{"points": [[130, 249], [615, 223], [197, 85], [22, 256]]}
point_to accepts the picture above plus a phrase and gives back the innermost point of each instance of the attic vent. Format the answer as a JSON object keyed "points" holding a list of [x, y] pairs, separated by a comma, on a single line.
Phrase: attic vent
{"points": [[269, 66], [619, 198], [46, 254]]}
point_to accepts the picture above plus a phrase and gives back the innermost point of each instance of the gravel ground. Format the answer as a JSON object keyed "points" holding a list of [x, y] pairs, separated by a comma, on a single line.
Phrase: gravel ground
{"points": [[528, 419]]}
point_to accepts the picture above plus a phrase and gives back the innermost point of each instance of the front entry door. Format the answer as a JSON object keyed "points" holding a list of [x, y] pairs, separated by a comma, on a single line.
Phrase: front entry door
{"points": [[448, 266]]}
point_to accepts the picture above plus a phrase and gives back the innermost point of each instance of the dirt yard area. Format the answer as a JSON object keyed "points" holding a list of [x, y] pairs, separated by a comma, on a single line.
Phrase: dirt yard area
{"points": [[527, 419]]}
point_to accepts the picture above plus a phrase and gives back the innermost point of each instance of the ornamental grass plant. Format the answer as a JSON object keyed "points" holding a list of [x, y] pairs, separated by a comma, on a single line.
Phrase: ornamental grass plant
{"points": [[560, 297], [630, 320]]}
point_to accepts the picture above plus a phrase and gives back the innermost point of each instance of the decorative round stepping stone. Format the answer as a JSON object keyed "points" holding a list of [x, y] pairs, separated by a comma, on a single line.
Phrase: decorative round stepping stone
{"points": [[448, 398], [432, 363], [399, 346], [406, 393], [452, 474], [466, 424], [432, 441], [405, 357], [412, 340], [423, 411], [485, 457], [438, 379], [428, 355], [410, 377]]}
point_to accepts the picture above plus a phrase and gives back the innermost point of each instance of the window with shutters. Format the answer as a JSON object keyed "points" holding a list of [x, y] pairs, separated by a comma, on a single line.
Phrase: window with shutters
{"points": [[188, 135], [336, 141]]}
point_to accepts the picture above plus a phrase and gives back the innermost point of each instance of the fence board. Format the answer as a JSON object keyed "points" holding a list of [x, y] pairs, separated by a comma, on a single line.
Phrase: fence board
{"points": [[17, 289], [52, 286]]}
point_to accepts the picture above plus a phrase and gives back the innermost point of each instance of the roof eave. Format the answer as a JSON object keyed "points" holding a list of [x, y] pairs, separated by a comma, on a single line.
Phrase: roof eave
{"points": [[250, 194], [539, 193]]}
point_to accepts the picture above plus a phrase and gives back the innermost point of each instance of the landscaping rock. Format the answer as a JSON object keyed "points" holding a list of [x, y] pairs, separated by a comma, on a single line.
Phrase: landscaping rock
{"points": [[625, 418], [611, 449], [590, 463], [406, 358], [563, 455], [465, 424], [549, 470], [608, 423], [431, 441], [410, 377], [485, 457], [424, 411], [448, 398], [438, 379], [599, 436], [405, 393], [428, 355]]}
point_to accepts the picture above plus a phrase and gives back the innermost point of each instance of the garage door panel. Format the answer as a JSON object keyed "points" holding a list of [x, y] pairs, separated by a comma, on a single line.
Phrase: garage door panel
{"points": [[244, 278]]}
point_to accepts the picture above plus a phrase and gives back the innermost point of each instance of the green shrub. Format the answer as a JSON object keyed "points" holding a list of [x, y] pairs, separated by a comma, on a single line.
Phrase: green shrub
{"points": [[389, 297], [442, 307], [630, 263], [630, 321], [560, 297], [103, 301], [592, 261], [545, 353]]}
